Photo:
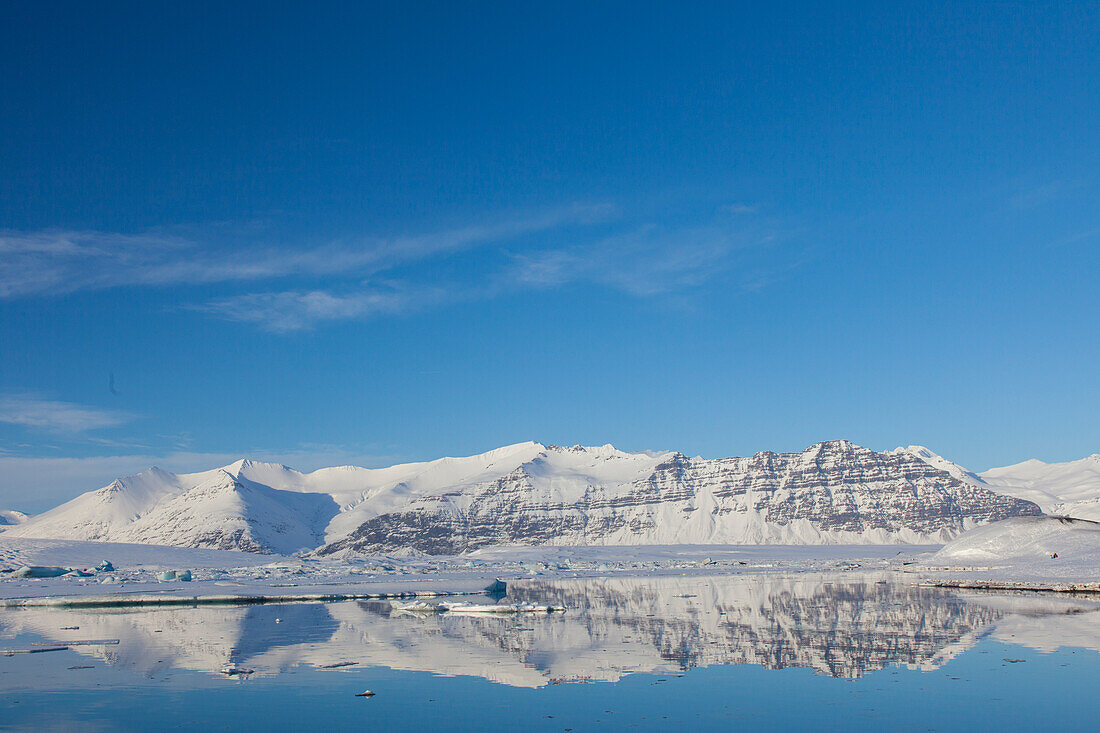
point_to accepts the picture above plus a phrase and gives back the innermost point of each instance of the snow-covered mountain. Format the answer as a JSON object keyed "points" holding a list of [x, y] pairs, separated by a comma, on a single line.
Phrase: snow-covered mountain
{"points": [[1069, 489], [831, 492], [1066, 489], [534, 494]]}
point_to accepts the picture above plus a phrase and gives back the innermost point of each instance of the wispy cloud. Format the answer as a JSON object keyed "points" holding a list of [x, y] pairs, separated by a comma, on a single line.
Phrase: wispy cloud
{"points": [[646, 262], [55, 416], [354, 278], [294, 310], [59, 261]]}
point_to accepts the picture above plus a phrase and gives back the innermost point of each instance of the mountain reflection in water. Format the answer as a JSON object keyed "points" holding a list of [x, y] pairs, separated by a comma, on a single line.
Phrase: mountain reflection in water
{"points": [[840, 625]]}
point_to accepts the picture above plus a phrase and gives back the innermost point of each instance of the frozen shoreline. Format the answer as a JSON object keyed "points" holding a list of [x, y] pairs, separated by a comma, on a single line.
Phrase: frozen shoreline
{"points": [[221, 577], [1024, 553]]}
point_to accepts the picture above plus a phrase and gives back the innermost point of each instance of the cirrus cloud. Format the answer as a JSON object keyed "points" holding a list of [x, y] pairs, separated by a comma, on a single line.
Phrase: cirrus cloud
{"points": [[57, 416]]}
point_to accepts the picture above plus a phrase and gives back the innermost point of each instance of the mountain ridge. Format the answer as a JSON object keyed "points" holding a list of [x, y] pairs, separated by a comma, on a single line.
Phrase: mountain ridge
{"points": [[1068, 488], [531, 493]]}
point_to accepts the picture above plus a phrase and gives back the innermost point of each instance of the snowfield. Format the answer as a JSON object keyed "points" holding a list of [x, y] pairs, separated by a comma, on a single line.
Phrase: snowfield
{"points": [[1067, 489], [1027, 552], [1028, 539]]}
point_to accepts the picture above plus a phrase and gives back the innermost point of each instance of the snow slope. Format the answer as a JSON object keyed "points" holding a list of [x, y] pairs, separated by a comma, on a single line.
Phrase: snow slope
{"points": [[10, 517], [533, 494], [1068, 489], [1055, 553], [1027, 540]]}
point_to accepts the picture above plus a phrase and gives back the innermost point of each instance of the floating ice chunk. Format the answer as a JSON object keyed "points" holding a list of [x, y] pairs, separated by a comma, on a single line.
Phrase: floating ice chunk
{"points": [[364, 693], [40, 571], [75, 573], [105, 567], [181, 575]]}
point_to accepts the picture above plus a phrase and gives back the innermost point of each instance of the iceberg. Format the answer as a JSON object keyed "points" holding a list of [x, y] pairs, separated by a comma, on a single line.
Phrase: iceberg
{"points": [[40, 571], [182, 575]]}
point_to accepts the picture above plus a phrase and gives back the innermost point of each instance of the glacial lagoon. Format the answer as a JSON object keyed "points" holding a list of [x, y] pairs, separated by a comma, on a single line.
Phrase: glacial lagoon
{"points": [[761, 652]]}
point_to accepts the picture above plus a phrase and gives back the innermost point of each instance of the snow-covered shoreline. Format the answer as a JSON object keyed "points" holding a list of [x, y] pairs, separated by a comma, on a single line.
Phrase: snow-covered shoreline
{"points": [[1032, 553], [220, 576], [1057, 554]]}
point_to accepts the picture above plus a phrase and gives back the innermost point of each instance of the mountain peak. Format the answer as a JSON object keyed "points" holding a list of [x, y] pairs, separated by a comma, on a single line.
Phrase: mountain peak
{"points": [[600, 451], [247, 467], [236, 466], [918, 450], [835, 446]]}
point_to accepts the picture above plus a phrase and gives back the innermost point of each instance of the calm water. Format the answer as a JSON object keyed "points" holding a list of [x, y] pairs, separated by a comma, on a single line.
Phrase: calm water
{"points": [[759, 652]]}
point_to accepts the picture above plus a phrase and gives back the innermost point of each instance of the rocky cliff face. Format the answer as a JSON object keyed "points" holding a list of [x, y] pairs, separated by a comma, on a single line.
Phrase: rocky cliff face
{"points": [[831, 492]]}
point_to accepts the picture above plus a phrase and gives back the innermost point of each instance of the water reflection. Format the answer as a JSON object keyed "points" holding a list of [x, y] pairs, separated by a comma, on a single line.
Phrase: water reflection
{"points": [[840, 625]]}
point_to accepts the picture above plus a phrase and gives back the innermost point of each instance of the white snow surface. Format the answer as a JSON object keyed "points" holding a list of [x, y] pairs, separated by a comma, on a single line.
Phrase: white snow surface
{"points": [[1023, 549], [1069, 489], [937, 461], [10, 517]]}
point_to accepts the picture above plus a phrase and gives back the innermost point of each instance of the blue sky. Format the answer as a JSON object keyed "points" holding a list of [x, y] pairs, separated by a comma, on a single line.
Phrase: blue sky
{"points": [[332, 235]]}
